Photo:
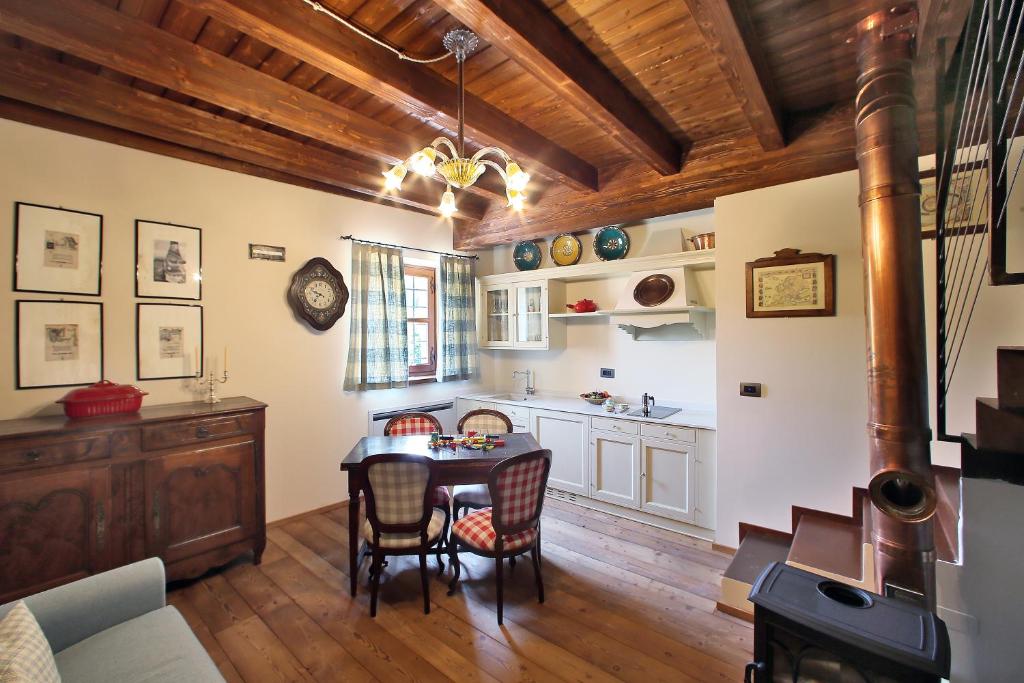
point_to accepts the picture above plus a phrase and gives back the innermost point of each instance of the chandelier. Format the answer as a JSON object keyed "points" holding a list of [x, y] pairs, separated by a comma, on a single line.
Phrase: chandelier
{"points": [[448, 159]]}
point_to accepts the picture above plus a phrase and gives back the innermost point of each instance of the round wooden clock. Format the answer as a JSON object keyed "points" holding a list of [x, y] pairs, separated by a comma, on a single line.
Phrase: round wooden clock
{"points": [[318, 294]]}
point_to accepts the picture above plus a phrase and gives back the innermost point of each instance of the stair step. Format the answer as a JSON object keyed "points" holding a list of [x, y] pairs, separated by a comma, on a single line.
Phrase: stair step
{"points": [[1010, 377], [999, 429], [757, 550], [826, 546]]}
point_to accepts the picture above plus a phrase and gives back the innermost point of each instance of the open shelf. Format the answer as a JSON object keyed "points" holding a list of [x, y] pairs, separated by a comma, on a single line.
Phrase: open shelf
{"points": [[651, 311], [593, 314]]}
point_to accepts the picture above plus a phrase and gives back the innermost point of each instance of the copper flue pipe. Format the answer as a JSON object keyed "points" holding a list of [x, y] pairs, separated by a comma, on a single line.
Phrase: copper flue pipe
{"points": [[902, 484]]}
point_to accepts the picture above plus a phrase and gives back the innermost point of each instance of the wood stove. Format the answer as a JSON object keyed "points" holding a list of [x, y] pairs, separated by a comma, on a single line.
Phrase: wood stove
{"points": [[810, 628]]}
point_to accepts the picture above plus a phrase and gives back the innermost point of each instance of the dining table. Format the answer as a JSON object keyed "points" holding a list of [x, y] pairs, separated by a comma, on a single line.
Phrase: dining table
{"points": [[458, 465]]}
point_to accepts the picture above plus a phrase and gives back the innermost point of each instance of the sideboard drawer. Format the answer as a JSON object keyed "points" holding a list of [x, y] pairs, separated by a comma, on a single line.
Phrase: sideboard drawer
{"points": [[160, 436], [666, 432], [46, 452], [607, 424]]}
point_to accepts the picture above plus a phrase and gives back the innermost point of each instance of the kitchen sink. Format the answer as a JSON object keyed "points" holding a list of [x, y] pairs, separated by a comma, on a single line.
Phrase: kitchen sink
{"points": [[656, 413], [512, 397]]}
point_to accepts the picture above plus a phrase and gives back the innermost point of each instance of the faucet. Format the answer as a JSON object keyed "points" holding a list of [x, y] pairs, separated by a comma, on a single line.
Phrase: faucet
{"points": [[530, 389], [648, 400]]}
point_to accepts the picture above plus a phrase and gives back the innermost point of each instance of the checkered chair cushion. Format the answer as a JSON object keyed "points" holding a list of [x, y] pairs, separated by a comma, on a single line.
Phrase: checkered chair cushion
{"points": [[25, 655], [411, 425], [519, 489], [484, 423], [476, 530], [398, 541]]}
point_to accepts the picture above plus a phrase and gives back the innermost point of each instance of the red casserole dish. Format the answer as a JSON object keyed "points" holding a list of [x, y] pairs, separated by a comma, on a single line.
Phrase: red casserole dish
{"points": [[102, 398]]}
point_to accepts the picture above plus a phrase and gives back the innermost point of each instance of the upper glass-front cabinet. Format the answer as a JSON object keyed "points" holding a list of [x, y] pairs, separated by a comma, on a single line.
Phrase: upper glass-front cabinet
{"points": [[514, 316]]}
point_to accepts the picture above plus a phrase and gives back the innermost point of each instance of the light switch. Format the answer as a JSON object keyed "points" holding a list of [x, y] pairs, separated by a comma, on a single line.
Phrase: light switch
{"points": [[752, 389]]}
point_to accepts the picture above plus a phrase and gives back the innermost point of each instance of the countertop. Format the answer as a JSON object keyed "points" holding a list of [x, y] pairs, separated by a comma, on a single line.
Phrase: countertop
{"points": [[699, 419]]}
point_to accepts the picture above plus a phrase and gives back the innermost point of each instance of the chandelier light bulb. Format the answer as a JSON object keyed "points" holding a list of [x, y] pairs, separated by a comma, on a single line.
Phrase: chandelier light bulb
{"points": [[447, 207], [422, 162], [516, 199], [394, 176], [516, 178]]}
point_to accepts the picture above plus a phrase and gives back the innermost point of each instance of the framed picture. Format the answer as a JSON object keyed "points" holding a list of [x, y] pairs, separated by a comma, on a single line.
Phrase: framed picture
{"points": [[168, 261], [168, 341], [791, 284], [59, 344], [966, 204], [57, 250]]}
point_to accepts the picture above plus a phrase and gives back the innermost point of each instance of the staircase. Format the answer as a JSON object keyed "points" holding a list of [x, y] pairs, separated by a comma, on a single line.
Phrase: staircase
{"points": [[836, 546]]}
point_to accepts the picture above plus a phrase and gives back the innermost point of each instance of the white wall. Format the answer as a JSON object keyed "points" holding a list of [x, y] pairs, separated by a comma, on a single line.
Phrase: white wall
{"points": [[671, 370], [311, 422]]}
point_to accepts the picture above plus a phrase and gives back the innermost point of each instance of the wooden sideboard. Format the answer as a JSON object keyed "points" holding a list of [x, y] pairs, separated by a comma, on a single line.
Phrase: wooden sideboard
{"points": [[183, 482]]}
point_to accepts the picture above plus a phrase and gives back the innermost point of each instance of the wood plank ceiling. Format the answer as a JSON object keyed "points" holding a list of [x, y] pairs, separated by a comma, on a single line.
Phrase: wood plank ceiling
{"points": [[620, 109]]}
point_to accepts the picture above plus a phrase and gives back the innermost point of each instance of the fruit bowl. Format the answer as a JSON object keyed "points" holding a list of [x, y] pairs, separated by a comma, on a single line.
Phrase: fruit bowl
{"points": [[595, 398]]}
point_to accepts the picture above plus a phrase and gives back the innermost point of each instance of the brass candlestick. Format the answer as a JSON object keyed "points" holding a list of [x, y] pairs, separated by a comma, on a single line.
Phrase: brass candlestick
{"points": [[211, 383]]}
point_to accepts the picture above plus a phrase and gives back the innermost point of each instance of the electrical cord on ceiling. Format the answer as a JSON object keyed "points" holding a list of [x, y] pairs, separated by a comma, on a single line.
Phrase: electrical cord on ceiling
{"points": [[372, 38]]}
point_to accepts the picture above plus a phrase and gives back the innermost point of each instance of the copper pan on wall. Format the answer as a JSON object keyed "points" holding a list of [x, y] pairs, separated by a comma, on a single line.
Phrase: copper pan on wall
{"points": [[654, 290]]}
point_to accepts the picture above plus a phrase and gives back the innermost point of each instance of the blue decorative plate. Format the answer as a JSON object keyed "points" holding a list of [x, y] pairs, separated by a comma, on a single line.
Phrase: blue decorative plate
{"points": [[526, 256], [611, 243]]}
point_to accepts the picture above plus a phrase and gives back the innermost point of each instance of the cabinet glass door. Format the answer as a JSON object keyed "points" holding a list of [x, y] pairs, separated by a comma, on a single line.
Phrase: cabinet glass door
{"points": [[531, 315], [499, 317]]}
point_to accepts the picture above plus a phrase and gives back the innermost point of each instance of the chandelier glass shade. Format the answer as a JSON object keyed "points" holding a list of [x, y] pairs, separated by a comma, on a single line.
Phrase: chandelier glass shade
{"points": [[447, 158]]}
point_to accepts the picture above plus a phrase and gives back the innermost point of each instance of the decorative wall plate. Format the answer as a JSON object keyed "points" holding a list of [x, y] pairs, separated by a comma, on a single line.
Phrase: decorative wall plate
{"points": [[654, 290], [527, 256], [611, 243], [566, 250]]}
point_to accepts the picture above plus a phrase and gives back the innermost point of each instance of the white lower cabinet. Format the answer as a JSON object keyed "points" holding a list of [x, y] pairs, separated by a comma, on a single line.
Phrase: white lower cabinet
{"points": [[668, 485], [566, 436], [615, 474]]}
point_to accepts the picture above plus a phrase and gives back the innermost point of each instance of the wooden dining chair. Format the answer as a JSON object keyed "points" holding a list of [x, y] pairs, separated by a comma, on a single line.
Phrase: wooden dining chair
{"points": [[400, 516], [416, 424], [512, 526], [481, 421]]}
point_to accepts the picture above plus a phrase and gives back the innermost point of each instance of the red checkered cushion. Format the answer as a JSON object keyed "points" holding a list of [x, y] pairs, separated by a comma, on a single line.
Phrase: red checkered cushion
{"points": [[519, 490], [442, 499], [476, 530], [410, 425]]}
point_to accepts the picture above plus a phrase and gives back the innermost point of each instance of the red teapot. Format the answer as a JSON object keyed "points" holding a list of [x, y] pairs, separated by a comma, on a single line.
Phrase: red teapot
{"points": [[582, 306]]}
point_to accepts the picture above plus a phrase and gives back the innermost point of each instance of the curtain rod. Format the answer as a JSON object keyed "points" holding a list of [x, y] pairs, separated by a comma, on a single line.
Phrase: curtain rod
{"points": [[399, 246]]}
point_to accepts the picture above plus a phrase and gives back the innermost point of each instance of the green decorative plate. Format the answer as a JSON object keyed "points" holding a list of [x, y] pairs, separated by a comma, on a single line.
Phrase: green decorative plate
{"points": [[526, 256], [611, 243], [566, 250]]}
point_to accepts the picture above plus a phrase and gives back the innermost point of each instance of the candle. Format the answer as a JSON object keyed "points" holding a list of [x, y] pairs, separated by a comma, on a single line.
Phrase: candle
{"points": [[225, 360]]}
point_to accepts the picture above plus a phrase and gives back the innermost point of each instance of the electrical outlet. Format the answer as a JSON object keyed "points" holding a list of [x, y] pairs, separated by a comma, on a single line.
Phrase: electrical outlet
{"points": [[752, 389], [608, 373]]}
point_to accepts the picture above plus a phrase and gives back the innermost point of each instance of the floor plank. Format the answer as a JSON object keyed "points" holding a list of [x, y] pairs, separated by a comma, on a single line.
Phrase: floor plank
{"points": [[625, 601]]}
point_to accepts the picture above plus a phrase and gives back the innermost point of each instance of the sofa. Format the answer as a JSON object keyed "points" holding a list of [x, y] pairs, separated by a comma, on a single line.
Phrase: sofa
{"points": [[117, 626]]}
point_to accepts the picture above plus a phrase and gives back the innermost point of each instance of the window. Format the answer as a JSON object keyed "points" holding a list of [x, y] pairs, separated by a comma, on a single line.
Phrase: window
{"points": [[420, 304]]}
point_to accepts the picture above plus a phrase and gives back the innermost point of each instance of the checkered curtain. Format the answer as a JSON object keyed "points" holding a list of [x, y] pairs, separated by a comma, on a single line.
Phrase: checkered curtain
{"points": [[378, 354], [458, 319]]}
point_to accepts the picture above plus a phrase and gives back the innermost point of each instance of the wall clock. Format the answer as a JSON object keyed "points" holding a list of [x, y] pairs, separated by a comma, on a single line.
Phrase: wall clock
{"points": [[318, 294]]}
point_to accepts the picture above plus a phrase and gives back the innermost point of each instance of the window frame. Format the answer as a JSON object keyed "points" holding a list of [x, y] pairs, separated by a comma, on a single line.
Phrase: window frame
{"points": [[429, 369]]}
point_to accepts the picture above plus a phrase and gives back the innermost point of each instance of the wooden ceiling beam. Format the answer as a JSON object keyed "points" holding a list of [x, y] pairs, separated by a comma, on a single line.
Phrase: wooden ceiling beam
{"points": [[33, 79], [119, 42], [728, 32], [293, 27], [64, 123], [528, 33]]}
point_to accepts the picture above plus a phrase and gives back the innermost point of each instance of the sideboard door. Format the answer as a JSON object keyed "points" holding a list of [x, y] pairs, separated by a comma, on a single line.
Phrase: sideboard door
{"points": [[200, 499], [54, 528]]}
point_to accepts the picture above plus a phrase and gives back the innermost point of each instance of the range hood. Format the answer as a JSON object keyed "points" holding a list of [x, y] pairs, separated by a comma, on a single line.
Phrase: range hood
{"points": [[680, 317]]}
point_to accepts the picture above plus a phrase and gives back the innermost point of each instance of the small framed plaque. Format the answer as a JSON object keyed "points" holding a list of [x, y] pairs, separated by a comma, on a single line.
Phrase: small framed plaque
{"points": [[266, 252]]}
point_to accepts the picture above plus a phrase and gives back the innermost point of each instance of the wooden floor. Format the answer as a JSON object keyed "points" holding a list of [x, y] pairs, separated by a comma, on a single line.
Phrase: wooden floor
{"points": [[624, 602]]}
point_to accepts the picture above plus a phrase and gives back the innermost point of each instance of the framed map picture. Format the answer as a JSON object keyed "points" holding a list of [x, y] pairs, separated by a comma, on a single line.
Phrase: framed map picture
{"points": [[168, 261], [168, 341], [59, 344], [791, 284], [966, 201], [57, 251]]}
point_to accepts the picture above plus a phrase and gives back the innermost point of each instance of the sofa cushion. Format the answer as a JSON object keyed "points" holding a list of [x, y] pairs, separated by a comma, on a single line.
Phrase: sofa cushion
{"points": [[25, 655], [156, 647]]}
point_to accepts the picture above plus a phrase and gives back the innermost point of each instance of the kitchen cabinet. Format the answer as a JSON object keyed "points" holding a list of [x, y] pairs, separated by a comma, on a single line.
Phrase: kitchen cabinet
{"points": [[515, 316], [668, 479], [566, 435], [615, 468]]}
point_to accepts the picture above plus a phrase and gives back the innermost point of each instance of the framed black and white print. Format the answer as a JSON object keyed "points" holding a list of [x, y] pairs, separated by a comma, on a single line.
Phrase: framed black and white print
{"points": [[56, 250], [168, 261], [59, 343], [168, 341]]}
